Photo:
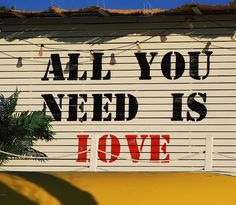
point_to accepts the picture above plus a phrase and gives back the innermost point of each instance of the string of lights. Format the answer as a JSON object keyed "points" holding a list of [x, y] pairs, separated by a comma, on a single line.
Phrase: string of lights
{"points": [[41, 47], [137, 44]]}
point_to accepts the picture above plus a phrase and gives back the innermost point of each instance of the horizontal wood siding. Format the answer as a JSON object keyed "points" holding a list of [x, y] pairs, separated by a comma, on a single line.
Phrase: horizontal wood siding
{"points": [[187, 146]]}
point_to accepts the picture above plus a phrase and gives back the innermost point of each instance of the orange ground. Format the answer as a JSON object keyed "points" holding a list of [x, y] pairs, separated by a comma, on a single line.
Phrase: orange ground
{"points": [[116, 189]]}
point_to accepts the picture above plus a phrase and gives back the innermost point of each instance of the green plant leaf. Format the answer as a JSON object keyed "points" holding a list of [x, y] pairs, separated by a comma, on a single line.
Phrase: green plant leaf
{"points": [[19, 131]]}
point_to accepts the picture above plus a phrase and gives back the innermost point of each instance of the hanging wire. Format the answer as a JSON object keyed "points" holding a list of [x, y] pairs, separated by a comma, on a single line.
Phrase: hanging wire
{"points": [[46, 158], [109, 49], [156, 161], [107, 153], [211, 45], [130, 46]]}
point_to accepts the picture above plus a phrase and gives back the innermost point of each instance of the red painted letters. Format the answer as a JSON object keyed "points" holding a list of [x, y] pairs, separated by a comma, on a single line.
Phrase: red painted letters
{"points": [[110, 147]]}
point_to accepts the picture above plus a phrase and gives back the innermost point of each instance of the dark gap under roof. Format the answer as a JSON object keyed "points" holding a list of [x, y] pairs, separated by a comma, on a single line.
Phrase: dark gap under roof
{"points": [[94, 11]]}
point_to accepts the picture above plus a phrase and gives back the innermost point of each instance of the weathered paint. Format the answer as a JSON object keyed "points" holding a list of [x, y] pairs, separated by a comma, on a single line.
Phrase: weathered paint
{"points": [[154, 126]]}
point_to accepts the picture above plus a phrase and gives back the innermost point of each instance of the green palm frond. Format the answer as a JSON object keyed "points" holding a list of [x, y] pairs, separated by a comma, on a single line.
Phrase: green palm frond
{"points": [[19, 131]]}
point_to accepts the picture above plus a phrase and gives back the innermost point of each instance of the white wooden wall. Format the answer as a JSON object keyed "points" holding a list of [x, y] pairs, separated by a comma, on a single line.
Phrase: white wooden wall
{"points": [[21, 38]]}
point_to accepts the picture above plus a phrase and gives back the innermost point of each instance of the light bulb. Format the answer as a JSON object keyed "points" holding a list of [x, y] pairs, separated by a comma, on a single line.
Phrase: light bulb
{"points": [[189, 23], [234, 36], [41, 50], [19, 63], [138, 47], [91, 58], [207, 46], [113, 60], [163, 38]]}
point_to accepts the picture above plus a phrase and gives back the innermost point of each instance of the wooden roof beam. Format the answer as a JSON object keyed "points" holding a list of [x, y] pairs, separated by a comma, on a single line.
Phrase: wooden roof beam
{"points": [[62, 14], [196, 10], [103, 12], [19, 15]]}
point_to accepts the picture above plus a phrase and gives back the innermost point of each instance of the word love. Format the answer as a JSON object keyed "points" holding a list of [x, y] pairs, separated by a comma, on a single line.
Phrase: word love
{"points": [[110, 147], [97, 73]]}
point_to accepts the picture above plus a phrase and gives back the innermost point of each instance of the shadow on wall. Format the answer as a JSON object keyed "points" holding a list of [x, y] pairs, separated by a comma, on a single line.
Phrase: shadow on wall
{"points": [[71, 33], [64, 192], [10, 197]]}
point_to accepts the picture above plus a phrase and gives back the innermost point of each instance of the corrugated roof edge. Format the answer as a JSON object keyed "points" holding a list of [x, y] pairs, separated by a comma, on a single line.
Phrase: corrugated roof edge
{"points": [[93, 10]]}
